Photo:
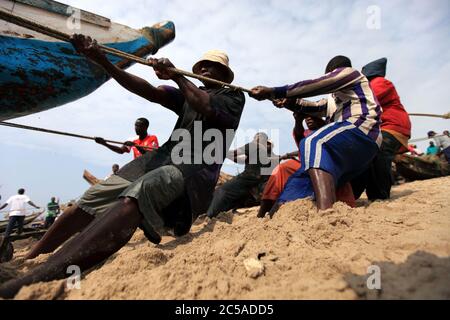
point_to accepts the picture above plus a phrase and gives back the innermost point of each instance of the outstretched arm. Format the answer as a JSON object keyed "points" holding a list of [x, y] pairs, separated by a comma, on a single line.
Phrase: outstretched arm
{"points": [[331, 82], [316, 108], [198, 99], [3, 206], [236, 156], [300, 106], [132, 83], [32, 204], [117, 149]]}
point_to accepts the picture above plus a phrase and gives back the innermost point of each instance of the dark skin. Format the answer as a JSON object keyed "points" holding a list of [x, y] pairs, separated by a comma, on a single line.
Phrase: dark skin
{"points": [[265, 93], [102, 237], [236, 153], [313, 123], [75, 219], [140, 129], [323, 182], [115, 168]]}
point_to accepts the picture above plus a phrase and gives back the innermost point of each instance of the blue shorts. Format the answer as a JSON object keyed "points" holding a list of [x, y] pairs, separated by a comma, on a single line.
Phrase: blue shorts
{"points": [[339, 148]]}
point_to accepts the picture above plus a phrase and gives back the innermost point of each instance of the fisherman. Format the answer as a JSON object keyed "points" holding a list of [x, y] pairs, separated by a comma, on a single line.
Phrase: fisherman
{"points": [[377, 180], [442, 142], [53, 210], [140, 144], [18, 211], [151, 192], [280, 175], [345, 147], [432, 149], [257, 155]]}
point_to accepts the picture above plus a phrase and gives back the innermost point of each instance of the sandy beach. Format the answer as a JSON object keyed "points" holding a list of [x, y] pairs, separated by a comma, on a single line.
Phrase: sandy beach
{"points": [[299, 254]]}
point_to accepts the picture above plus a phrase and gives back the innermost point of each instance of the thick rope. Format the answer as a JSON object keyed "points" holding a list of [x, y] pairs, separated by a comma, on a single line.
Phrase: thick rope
{"points": [[424, 139], [26, 23], [21, 126], [444, 116]]}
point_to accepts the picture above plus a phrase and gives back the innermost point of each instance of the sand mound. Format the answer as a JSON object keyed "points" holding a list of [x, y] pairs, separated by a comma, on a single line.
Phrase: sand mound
{"points": [[299, 254]]}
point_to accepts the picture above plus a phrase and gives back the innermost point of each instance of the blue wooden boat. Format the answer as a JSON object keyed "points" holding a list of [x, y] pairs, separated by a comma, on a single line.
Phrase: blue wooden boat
{"points": [[38, 73]]}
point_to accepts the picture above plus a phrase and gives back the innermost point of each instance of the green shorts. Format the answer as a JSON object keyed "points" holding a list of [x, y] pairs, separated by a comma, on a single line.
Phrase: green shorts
{"points": [[159, 189], [98, 198]]}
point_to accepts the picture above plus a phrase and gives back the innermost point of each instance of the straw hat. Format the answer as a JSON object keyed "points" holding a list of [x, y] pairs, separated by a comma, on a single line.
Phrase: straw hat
{"points": [[218, 57]]}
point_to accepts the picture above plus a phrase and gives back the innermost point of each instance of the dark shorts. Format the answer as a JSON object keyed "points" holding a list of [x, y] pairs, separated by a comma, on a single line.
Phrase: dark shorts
{"points": [[98, 198], [155, 191], [340, 149]]}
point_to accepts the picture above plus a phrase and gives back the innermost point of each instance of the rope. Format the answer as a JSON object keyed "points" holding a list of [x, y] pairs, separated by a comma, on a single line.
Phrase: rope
{"points": [[444, 116], [21, 126], [26, 23], [424, 139]]}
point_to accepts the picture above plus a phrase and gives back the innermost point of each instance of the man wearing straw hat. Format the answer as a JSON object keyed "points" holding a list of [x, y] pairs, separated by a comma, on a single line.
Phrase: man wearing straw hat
{"points": [[151, 192]]}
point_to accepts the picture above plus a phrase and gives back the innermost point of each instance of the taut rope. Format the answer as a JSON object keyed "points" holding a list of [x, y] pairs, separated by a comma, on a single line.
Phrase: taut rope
{"points": [[21, 126]]}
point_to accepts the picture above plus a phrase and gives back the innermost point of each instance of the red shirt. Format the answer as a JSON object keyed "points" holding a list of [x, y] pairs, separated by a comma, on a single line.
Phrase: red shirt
{"points": [[149, 141], [394, 116]]}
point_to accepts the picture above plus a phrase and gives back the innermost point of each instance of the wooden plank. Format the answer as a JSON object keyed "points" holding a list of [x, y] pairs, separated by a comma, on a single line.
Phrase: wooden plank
{"points": [[26, 235], [62, 9]]}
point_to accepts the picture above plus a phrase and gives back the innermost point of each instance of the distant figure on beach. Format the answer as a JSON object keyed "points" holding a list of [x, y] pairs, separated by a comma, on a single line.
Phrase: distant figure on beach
{"points": [[432, 149], [18, 211], [377, 180], [155, 192], [442, 142], [140, 144], [257, 155], [344, 148], [53, 210]]}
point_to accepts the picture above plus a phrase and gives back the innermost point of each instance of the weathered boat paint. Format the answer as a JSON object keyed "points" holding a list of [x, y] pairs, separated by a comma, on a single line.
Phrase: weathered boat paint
{"points": [[38, 72], [38, 75]]}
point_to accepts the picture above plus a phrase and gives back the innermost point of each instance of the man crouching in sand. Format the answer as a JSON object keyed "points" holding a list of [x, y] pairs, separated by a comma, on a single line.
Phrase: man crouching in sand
{"points": [[154, 195]]}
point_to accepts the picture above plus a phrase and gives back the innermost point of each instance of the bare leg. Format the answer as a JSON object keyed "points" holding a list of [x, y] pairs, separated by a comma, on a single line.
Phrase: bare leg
{"points": [[71, 222], [323, 184], [103, 237], [274, 209]]}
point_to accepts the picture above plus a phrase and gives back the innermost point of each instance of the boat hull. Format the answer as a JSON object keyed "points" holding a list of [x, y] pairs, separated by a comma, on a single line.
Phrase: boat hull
{"points": [[417, 168], [38, 73]]}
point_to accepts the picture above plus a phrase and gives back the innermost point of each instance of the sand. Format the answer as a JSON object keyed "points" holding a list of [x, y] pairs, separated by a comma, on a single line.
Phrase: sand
{"points": [[299, 254]]}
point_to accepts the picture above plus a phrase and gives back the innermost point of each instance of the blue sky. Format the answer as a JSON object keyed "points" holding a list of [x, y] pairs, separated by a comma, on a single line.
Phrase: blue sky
{"points": [[269, 42]]}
